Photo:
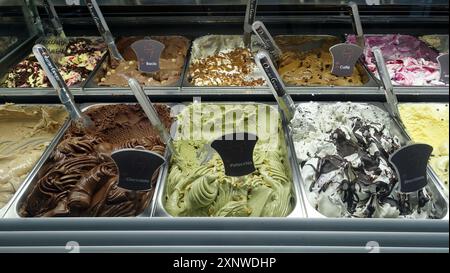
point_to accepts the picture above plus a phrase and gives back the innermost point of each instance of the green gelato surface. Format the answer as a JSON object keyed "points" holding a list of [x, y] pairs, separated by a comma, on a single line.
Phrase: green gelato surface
{"points": [[195, 190]]}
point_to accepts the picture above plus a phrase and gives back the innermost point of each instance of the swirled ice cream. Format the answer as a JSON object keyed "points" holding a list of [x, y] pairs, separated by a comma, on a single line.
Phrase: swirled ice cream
{"points": [[343, 151], [25, 132], [80, 178], [79, 60], [196, 190], [410, 61]]}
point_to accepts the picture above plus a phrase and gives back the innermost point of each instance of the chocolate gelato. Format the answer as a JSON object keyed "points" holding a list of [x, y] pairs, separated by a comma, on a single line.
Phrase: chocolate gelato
{"points": [[80, 179], [171, 63]]}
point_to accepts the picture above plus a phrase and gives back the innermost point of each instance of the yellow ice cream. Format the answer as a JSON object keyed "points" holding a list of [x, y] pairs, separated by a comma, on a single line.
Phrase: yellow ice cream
{"points": [[429, 123], [25, 132]]}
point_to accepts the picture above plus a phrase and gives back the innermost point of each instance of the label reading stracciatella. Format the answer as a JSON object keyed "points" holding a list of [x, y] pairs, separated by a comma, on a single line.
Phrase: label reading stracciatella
{"points": [[236, 151], [148, 53], [345, 57], [136, 168], [411, 163]]}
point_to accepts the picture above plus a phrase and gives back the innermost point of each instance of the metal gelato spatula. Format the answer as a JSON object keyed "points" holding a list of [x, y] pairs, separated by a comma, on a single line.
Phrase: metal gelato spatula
{"points": [[64, 93], [250, 16], [284, 100], [387, 85], [151, 113], [103, 28], [357, 26], [56, 44]]}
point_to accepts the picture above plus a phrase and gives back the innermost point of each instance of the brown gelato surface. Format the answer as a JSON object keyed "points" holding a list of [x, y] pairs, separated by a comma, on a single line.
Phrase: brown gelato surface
{"points": [[80, 178], [171, 63], [303, 63]]}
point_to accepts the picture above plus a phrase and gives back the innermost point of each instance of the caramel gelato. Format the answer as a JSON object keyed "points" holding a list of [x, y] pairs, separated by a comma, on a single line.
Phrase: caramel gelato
{"points": [[171, 63]]}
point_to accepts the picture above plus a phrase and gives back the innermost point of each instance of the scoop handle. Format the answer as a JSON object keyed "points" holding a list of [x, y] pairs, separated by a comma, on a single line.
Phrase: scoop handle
{"points": [[103, 28], [54, 18], [151, 112], [357, 25], [387, 83], [276, 84], [250, 16], [57, 81], [266, 38]]}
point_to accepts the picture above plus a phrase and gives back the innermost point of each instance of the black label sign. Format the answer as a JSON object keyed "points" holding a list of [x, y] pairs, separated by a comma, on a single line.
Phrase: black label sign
{"points": [[264, 35], [411, 163], [236, 151], [271, 73], [443, 62], [136, 168], [250, 15], [148, 53], [345, 57]]}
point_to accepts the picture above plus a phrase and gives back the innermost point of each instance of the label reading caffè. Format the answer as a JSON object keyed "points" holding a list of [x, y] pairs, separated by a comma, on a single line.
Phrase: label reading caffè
{"points": [[345, 57], [236, 151], [148, 53], [137, 168]]}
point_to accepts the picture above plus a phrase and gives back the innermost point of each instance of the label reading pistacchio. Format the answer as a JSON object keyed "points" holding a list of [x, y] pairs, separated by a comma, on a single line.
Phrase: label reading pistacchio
{"points": [[443, 62], [345, 57], [236, 151], [137, 168], [148, 53], [410, 163]]}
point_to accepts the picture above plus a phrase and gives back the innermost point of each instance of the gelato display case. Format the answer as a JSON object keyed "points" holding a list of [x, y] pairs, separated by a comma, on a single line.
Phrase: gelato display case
{"points": [[324, 181]]}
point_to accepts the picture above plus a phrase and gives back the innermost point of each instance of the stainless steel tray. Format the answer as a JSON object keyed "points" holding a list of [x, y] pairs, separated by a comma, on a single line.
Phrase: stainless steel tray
{"points": [[411, 90], [405, 132], [91, 85], [35, 175], [360, 66], [299, 209], [434, 186], [44, 90], [4, 212]]}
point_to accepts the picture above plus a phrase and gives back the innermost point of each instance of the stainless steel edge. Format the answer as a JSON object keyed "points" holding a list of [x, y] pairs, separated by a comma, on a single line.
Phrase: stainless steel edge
{"points": [[397, 131], [91, 86], [298, 211]]}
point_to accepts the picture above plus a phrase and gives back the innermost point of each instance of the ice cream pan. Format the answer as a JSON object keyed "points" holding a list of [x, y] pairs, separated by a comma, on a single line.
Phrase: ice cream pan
{"points": [[92, 83], [297, 203], [440, 200], [415, 89], [7, 210], [227, 42], [405, 132], [312, 42], [36, 174], [50, 90]]}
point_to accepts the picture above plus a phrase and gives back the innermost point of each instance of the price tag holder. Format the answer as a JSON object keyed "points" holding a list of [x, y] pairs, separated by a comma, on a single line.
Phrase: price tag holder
{"points": [[410, 163], [443, 62], [136, 168], [236, 151], [148, 53], [345, 57]]}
